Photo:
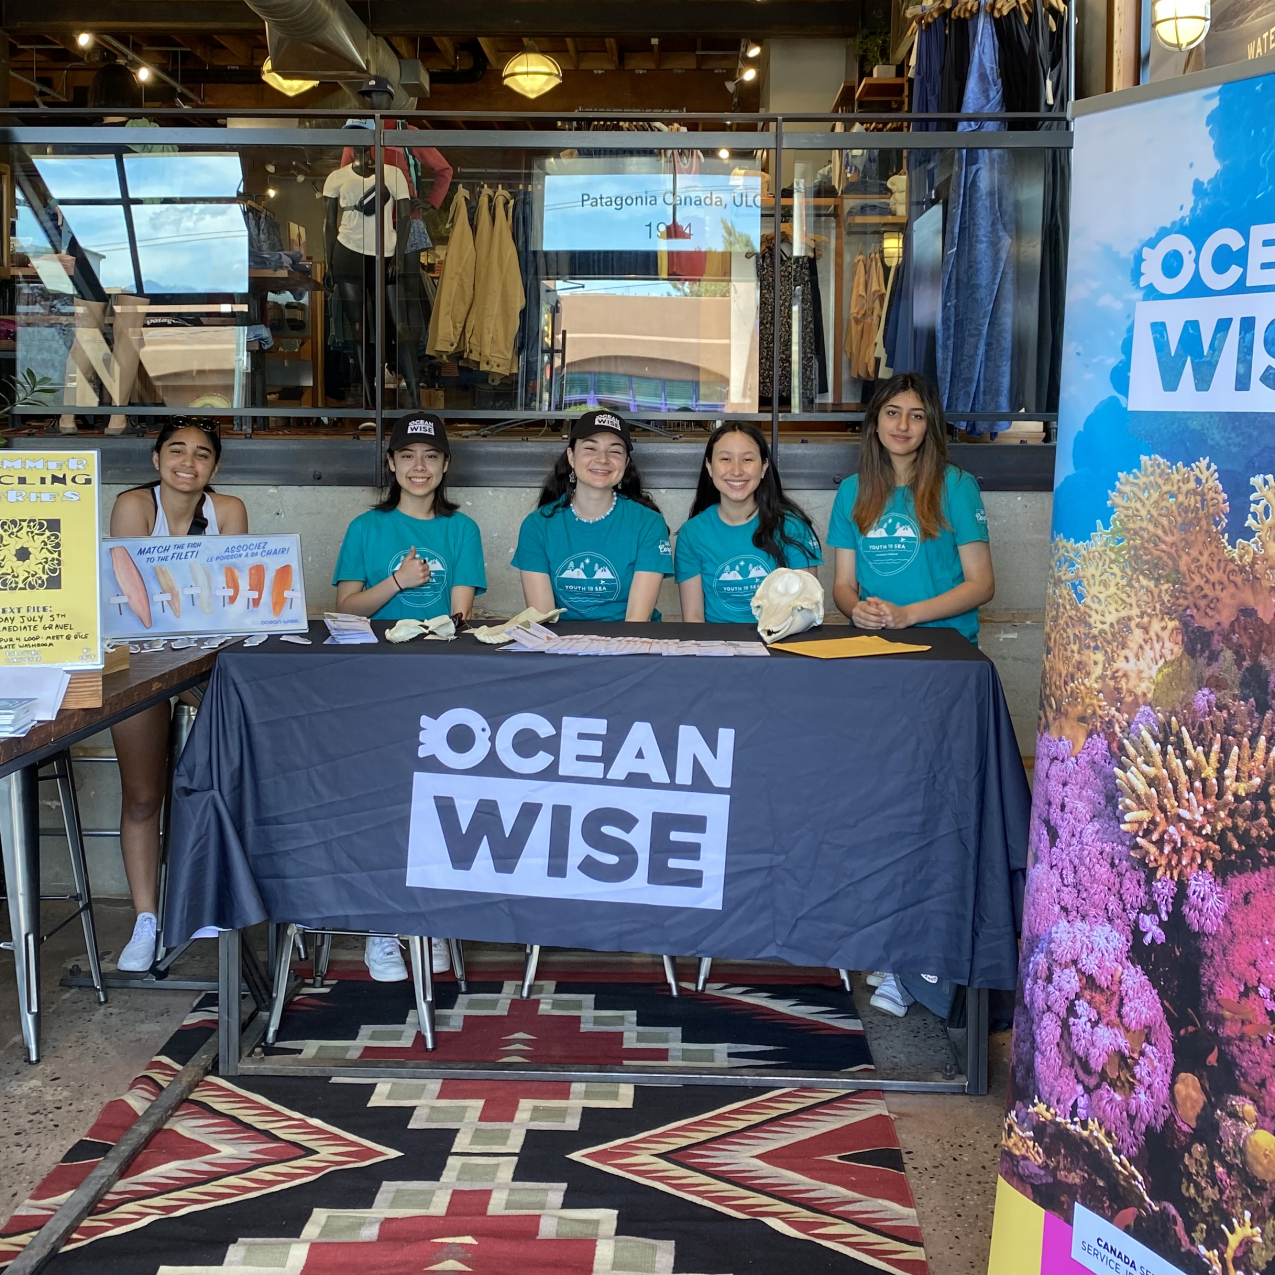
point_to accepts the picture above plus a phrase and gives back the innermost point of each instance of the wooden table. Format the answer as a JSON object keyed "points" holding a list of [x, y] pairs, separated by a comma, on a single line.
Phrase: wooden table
{"points": [[151, 679]]}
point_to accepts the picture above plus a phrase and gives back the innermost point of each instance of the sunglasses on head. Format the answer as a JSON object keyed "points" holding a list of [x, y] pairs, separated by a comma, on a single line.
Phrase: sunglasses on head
{"points": [[196, 422]]}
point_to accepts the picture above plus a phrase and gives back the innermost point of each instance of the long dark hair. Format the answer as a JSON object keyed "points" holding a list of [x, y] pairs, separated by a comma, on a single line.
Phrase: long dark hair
{"points": [[444, 506], [556, 492], [876, 473], [772, 504], [209, 429]]}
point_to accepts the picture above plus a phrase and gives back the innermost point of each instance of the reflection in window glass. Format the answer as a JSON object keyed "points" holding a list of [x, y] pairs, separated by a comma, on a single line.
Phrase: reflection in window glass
{"points": [[192, 247], [185, 176], [102, 234], [79, 176]]}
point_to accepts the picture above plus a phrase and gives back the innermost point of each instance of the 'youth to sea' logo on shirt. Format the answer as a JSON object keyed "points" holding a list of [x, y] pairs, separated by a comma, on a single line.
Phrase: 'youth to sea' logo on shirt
{"points": [[588, 577], [572, 808], [892, 544], [737, 578], [425, 596]]}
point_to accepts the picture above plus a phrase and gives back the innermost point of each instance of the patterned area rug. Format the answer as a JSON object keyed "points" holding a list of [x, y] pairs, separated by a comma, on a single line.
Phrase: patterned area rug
{"points": [[589, 1009], [262, 1175]]}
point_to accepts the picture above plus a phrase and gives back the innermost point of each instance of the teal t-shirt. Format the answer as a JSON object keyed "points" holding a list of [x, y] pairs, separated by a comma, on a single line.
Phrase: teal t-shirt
{"points": [[730, 566], [376, 543], [591, 564], [893, 562]]}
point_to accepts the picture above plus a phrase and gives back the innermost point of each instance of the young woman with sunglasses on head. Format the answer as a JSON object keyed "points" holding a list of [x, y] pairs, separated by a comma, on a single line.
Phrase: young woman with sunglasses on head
{"points": [[741, 528], [180, 503], [910, 535], [413, 557], [597, 544]]}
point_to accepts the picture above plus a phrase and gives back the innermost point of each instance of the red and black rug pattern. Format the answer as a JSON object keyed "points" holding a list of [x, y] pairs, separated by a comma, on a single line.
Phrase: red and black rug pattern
{"points": [[260, 1175], [589, 1010]]}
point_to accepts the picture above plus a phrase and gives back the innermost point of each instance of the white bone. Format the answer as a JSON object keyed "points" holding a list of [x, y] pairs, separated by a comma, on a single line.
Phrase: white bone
{"points": [[786, 603]]}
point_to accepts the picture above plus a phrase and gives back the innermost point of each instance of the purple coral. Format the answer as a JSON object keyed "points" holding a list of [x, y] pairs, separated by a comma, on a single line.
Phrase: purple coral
{"points": [[1096, 1041], [1237, 975], [1083, 868], [1205, 903]]}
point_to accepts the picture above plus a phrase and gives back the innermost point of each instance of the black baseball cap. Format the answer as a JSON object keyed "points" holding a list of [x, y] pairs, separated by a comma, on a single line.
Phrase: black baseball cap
{"points": [[424, 427], [601, 422], [375, 84]]}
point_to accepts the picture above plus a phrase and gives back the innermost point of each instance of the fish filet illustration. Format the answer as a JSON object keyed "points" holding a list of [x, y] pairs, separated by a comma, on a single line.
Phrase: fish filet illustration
{"points": [[203, 582], [256, 582], [131, 584], [279, 589], [232, 583], [169, 586]]}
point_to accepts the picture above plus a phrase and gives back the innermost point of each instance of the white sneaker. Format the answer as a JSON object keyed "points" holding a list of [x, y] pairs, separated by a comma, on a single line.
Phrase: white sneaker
{"points": [[440, 956], [876, 978], [384, 960], [139, 953], [891, 997]]}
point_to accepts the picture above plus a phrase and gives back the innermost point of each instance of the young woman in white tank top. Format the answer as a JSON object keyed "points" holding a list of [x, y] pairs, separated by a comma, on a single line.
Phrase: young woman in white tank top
{"points": [[180, 503]]}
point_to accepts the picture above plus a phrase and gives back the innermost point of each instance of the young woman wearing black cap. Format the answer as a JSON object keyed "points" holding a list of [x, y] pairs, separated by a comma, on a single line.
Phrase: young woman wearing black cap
{"points": [[597, 544], [415, 555], [179, 503]]}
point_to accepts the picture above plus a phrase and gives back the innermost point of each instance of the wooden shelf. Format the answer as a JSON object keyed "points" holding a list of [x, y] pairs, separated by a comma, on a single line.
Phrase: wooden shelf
{"points": [[883, 90]]}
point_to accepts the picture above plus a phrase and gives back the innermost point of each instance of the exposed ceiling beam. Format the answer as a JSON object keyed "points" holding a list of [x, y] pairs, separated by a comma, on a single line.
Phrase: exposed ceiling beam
{"points": [[404, 45], [556, 18], [446, 48], [198, 45], [238, 47], [573, 54], [613, 51], [494, 55]]}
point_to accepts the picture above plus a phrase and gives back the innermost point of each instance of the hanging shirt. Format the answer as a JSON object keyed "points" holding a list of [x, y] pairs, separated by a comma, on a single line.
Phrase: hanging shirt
{"points": [[891, 561], [730, 566], [376, 543], [358, 198], [591, 564]]}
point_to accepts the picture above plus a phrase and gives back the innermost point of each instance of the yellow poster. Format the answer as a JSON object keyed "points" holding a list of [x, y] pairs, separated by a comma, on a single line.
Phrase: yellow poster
{"points": [[49, 534]]}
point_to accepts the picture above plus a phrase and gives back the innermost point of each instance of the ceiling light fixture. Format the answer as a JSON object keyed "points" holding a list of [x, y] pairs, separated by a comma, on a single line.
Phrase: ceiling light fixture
{"points": [[271, 192], [531, 73], [286, 86], [84, 39], [749, 74], [143, 73], [1181, 24], [723, 153], [753, 50]]}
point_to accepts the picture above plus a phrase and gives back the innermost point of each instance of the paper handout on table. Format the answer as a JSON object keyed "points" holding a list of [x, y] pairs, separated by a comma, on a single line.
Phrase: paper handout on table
{"points": [[848, 647], [16, 717], [44, 684], [348, 630]]}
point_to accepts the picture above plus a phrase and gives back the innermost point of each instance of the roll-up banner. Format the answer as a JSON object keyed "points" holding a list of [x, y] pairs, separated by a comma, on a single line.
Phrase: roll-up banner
{"points": [[1140, 1135]]}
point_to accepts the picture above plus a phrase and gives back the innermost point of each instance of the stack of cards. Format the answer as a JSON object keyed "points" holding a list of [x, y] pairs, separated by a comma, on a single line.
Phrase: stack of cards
{"points": [[347, 630], [17, 716]]}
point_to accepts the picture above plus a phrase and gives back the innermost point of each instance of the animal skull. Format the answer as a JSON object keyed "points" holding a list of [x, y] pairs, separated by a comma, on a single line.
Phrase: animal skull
{"points": [[786, 603]]}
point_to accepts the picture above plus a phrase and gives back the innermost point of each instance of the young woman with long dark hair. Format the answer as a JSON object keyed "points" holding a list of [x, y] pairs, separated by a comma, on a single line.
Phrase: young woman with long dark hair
{"points": [[414, 556], [910, 535], [741, 527], [596, 544], [179, 503], [909, 529]]}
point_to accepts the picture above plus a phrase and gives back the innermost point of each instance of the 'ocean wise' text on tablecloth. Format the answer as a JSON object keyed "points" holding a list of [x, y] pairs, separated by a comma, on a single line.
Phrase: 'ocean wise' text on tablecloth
{"points": [[548, 832]]}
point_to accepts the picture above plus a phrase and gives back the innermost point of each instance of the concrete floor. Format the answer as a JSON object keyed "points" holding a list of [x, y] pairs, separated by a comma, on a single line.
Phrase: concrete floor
{"points": [[91, 1053]]}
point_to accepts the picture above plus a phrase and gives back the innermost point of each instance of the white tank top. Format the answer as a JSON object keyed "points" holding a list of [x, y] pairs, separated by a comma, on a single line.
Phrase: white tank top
{"points": [[161, 518]]}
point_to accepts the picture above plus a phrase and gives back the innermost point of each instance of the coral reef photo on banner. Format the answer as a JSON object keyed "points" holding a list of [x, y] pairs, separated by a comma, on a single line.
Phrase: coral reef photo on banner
{"points": [[1143, 1062]]}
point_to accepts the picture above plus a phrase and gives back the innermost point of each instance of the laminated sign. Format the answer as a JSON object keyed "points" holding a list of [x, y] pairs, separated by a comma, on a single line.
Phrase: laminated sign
{"points": [[545, 827], [49, 559], [170, 586]]}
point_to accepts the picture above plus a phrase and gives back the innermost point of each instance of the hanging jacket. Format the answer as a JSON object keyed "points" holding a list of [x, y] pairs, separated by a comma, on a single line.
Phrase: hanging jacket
{"points": [[456, 288], [504, 298], [472, 348]]}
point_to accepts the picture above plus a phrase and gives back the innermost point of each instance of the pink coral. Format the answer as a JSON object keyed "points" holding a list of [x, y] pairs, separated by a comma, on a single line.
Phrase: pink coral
{"points": [[1238, 977]]}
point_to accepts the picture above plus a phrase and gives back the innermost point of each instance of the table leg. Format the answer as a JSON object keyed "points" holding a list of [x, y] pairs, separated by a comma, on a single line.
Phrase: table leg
{"points": [[20, 844], [977, 1025], [229, 1008]]}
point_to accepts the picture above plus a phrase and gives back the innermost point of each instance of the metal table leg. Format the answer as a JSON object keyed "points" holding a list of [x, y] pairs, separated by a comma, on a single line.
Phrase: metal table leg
{"points": [[20, 844], [229, 1009]]}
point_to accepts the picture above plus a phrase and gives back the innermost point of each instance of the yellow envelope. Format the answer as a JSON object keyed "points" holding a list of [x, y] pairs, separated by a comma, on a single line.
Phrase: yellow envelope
{"points": [[847, 648]]}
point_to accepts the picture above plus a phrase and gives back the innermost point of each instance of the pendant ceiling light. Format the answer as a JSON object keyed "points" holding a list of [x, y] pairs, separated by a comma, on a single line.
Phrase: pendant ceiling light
{"points": [[1181, 24], [531, 73], [290, 87]]}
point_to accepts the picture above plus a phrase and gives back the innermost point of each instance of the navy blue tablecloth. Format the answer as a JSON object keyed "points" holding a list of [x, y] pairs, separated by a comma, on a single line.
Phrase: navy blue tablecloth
{"points": [[864, 813]]}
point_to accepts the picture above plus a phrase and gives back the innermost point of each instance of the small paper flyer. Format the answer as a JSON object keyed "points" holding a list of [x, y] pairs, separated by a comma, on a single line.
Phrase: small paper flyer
{"points": [[194, 586]]}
